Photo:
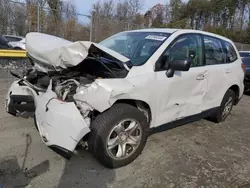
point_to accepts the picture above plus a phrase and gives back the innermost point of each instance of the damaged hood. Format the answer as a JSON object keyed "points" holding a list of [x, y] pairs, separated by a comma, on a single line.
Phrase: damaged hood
{"points": [[59, 53]]}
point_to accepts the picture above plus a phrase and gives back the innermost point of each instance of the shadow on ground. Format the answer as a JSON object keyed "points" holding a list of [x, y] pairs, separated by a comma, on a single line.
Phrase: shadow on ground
{"points": [[83, 170], [12, 175]]}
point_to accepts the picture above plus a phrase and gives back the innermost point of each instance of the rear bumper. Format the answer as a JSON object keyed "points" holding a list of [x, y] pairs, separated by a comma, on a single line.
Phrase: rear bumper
{"points": [[60, 124]]}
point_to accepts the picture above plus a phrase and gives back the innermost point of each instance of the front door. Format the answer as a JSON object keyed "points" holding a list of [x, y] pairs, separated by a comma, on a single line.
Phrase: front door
{"points": [[183, 94]]}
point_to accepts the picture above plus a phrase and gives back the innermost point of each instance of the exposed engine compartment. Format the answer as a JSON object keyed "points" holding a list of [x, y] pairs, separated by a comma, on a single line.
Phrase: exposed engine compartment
{"points": [[65, 82]]}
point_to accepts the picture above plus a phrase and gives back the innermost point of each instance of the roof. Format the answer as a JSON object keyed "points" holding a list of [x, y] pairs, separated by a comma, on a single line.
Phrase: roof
{"points": [[160, 30], [170, 30]]}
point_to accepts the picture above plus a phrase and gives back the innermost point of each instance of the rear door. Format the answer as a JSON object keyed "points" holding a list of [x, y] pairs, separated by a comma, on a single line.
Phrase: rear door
{"points": [[221, 68]]}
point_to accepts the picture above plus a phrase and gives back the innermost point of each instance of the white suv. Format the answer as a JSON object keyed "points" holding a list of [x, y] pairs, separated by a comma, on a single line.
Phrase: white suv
{"points": [[108, 96]]}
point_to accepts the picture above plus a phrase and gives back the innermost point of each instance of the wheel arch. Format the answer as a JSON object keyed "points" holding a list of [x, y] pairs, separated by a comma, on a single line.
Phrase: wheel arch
{"points": [[141, 105], [236, 89]]}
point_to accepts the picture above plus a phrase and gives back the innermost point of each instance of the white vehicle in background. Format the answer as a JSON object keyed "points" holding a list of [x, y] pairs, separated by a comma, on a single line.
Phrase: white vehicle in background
{"points": [[109, 96], [16, 42]]}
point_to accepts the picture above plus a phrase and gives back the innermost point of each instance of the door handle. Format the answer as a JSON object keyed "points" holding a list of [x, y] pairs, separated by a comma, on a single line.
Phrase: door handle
{"points": [[200, 77]]}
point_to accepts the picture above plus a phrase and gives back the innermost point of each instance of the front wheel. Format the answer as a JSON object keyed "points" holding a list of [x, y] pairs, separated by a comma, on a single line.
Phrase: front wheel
{"points": [[225, 107], [118, 135]]}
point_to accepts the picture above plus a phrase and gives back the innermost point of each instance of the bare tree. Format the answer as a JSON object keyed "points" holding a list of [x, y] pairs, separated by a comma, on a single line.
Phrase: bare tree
{"points": [[122, 11], [134, 6], [4, 10], [18, 19], [70, 21], [54, 23]]}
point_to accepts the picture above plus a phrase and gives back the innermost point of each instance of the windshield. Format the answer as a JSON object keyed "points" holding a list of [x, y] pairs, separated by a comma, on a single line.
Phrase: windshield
{"points": [[137, 46]]}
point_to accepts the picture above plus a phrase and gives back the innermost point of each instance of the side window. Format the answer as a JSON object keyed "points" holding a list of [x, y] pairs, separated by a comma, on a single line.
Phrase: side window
{"points": [[231, 54], [213, 51], [186, 46]]}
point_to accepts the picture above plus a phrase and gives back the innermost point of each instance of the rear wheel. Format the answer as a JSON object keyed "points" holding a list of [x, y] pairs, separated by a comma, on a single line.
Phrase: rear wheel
{"points": [[225, 108], [118, 135]]}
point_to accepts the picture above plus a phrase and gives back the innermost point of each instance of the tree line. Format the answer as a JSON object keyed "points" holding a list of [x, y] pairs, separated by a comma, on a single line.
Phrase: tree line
{"points": [[229, 18], [54, 17]]}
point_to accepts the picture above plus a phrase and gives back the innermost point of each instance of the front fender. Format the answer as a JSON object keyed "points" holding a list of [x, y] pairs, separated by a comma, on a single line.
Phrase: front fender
{"points": [[101, 95]]}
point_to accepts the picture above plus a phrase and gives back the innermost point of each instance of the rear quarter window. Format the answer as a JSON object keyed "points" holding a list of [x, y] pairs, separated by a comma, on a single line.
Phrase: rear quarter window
{"points": [[231, 54]]}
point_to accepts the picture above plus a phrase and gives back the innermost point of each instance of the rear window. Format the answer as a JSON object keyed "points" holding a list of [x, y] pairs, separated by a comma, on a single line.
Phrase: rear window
{"points": [[231, 54]]}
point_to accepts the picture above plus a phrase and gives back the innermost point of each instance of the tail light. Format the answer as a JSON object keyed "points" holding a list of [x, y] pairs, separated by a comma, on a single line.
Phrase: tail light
{"points": [[243, 66]]}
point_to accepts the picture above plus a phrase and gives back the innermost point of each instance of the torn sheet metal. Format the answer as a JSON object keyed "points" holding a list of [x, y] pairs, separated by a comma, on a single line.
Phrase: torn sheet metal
{"points": [[101, 94], [60, 53], [54, 120]]}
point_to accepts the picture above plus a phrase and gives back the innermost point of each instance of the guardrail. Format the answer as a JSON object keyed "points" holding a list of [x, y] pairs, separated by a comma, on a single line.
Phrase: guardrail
{"points": [[13, 54]]}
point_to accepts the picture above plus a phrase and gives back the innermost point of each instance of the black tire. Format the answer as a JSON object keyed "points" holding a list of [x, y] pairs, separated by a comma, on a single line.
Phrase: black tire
{"points": [[218, 116], [103, 125], [35, 122]]}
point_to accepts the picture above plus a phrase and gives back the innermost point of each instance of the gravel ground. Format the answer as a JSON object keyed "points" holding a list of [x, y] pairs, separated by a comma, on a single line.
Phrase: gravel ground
{"points": [[199, 154]]}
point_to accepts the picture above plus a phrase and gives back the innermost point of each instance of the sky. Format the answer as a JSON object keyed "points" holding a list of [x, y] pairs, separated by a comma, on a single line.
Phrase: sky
{"points": [[84, 6]]}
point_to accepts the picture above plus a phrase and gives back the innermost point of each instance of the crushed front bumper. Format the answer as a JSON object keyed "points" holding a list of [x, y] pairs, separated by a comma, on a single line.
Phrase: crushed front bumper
{"points": [[19, 100], [60, 124]]}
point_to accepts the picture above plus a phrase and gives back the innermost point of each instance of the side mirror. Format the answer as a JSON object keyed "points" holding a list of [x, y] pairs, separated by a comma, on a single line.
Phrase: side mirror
{"points": [[178, 65]]}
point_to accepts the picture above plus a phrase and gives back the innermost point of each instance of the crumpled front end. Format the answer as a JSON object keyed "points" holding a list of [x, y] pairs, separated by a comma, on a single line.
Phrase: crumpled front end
{"points": [[51, 53], [63, 89], [59, 123]]}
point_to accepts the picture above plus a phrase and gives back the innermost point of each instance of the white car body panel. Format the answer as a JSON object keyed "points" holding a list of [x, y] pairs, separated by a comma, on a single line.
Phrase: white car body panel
{"points": [[61, 123], [178, 99], [219, 79], [19, 44], [185, 94]]}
